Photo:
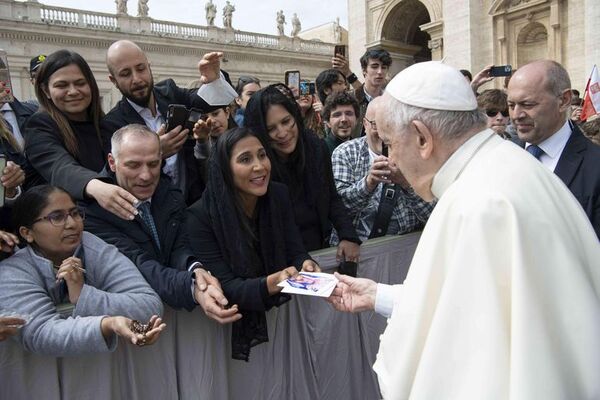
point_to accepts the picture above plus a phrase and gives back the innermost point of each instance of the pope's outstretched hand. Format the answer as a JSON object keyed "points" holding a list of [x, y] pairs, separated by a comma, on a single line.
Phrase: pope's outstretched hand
{"points": [[353, 294]]}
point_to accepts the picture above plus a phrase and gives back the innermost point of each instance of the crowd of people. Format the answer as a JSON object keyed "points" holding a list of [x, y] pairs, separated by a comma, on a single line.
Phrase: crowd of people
{"points": [[108, 216]]}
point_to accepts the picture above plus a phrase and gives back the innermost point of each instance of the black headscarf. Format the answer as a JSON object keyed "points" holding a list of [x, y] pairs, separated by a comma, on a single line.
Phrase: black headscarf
{"points": [[252, 247], [302, 171]]}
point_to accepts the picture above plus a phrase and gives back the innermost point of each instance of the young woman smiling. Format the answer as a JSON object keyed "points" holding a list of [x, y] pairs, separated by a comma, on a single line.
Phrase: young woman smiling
{"points": [[243, 231], [65, 141]]}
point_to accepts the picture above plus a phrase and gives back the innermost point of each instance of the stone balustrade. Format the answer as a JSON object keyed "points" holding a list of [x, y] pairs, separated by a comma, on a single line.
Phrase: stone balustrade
{"points": [[32, 11]]}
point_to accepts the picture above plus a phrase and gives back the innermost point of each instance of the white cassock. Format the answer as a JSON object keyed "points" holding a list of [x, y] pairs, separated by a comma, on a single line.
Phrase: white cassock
{"points": [[502, 297]]}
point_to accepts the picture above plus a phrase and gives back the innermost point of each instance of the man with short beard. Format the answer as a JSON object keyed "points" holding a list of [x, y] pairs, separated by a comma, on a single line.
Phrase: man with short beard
{"points": [[147, 104], [339, 116]]}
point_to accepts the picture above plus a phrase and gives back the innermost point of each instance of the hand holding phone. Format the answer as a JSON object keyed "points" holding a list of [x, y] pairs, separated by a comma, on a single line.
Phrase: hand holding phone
{"points": [[292, 80], [501, 70], [6, 95]]}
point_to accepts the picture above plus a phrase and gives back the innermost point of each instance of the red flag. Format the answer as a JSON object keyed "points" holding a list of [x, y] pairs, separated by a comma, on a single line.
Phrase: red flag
{"points": [[591, 98]]}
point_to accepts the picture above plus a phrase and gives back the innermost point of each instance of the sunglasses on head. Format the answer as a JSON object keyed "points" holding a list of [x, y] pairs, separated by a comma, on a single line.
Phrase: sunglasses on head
{"points": [[493, 113]]}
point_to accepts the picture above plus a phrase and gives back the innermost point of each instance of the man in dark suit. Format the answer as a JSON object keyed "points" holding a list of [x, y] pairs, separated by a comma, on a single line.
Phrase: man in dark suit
{"points": [[539, 98], [155, 240], [146, 103], [16, 115]]}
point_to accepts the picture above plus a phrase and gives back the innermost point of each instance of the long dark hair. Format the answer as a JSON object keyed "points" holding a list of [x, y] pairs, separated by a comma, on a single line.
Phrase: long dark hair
{"points": [[28, 207], [296, 170], [55, 61], [220, 168]]}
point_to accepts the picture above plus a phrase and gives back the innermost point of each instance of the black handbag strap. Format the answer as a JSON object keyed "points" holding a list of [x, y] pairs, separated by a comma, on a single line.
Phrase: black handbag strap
{"points": [[389, 195]]}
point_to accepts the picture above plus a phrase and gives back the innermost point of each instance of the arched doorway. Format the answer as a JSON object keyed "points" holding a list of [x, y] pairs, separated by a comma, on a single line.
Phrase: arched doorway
{"points": [[532, 43], [402, 28]]}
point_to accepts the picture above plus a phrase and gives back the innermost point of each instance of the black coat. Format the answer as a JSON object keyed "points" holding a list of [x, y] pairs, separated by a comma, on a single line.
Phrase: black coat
{"points": [[45, 149], [579, 168], [23, 111], [167, 92], [165, 269]]}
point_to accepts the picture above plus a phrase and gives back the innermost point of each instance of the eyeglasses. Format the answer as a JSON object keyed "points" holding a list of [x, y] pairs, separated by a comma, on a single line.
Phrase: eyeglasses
{"points": [[492, 113], [59, 218], [373, 123]]}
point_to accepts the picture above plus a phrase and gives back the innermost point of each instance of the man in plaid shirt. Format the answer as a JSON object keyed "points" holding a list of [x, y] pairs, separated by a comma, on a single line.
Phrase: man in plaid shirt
{"points": [[360, 171]]}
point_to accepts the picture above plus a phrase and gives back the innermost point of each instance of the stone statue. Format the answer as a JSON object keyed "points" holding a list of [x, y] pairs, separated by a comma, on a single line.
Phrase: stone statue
{"points": [[121, 7], [296, 26], [227, 14], [211, 13], [280, 22], [337, 31], [143, 8]]}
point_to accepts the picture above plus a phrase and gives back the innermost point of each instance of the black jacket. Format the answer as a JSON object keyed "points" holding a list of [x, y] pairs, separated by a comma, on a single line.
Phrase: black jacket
{"points": [[23, 111], [167, 92], [165, 269], [579, 168], [45, 149]]}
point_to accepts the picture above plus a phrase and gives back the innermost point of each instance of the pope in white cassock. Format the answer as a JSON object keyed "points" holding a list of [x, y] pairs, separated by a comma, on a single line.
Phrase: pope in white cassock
{"points": [[501, 300]]}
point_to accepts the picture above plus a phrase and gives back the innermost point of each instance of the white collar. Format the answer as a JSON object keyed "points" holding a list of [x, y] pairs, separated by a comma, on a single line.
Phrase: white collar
{"points": [[6, 107], [454, 165], [139, 109], [554, 145]]}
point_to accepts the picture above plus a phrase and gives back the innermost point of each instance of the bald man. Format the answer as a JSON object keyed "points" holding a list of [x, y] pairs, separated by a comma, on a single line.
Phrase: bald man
{"points": [[145, 103], [539, 100]]}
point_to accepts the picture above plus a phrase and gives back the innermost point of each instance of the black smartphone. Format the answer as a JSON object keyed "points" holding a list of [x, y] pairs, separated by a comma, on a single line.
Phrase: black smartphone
{"points": [[349, 268], [307, 88], [5, 76], [292, 80], [339, 49], [501, 70], [384, 150], [177, 114], [194, 116]]}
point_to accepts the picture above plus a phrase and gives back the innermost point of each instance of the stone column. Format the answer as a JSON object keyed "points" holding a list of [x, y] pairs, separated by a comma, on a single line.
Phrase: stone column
{"points": [[435, 30], [591, 12]]}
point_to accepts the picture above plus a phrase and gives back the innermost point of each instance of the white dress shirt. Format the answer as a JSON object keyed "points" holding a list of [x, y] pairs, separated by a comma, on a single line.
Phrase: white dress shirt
{"points": [[9, 116], [554, 146]]}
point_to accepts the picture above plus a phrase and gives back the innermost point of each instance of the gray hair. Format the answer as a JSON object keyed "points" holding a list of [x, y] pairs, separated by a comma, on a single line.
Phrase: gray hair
{"points": [[447, 125], [138, 130]]}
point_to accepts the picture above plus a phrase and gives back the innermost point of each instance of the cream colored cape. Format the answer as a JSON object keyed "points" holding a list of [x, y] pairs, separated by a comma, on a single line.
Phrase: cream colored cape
{"points": [[502, 297]]}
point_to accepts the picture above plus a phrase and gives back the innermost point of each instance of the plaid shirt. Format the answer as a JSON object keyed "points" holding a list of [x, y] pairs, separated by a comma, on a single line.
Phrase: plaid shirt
{"points": [[351, 163]]}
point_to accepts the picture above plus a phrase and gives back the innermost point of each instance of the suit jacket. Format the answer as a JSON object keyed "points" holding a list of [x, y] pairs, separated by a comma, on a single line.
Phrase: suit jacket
{"points": [[165, 93], [165, 268], [579, 168], [23, 111]]}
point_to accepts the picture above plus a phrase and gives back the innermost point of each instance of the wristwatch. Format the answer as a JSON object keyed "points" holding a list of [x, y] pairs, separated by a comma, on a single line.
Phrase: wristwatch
{"points": [[352, 78]]}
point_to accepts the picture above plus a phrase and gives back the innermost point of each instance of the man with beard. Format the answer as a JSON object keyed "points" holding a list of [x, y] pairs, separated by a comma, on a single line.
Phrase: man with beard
{"points": [[339, 115], [147, 104], [501, 297]]}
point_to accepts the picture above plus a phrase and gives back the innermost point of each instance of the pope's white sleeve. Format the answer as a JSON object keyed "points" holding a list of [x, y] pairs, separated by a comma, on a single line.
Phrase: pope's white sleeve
{"points": [[217, 92], [384, 298]]}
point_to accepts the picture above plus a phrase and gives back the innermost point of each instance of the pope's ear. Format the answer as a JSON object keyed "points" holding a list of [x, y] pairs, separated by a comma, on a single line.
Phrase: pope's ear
{"points": [[424, 139]]}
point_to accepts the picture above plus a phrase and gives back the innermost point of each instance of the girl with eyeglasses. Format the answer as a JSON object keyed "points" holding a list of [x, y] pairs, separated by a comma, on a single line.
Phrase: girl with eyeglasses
{"points": [[79, 292], [301, 161]]}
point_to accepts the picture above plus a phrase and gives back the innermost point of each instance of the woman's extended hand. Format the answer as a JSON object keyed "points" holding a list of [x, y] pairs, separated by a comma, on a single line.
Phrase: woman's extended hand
{"points": [[275, 278], [113, 198], [121, 326], [310, 266], [71, 270]]}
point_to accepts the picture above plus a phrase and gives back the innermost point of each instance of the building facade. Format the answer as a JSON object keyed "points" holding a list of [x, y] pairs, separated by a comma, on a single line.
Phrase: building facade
{"points": [[30, 28], [471, 34]]}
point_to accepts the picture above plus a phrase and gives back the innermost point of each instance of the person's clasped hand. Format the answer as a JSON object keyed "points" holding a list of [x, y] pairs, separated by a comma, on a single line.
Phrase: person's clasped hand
{"points": [[209, 295]]}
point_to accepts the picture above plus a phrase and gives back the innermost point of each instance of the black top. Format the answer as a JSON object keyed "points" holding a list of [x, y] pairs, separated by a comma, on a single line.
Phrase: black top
{"points": [[46, 151]]}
